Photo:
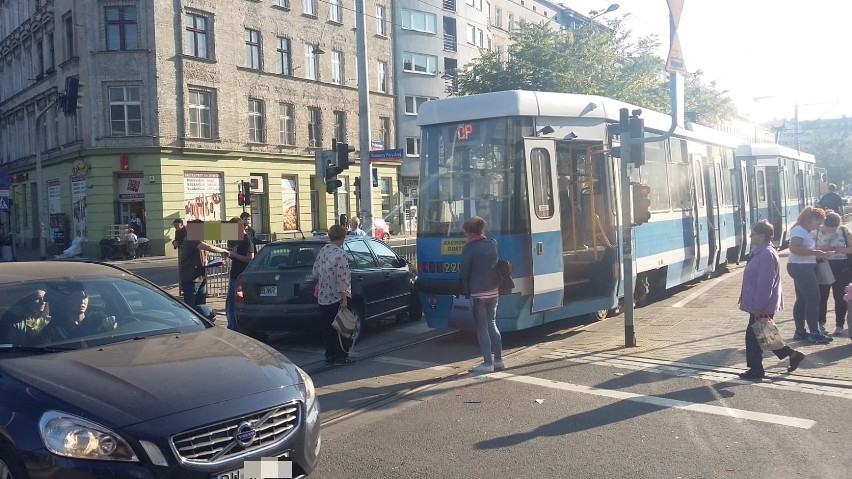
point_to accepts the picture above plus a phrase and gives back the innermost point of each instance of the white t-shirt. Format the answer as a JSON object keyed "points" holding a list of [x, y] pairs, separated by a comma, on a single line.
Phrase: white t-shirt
{"points": [[808, 241]]}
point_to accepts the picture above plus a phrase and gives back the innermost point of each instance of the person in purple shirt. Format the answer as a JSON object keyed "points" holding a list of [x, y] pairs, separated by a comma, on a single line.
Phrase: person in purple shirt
{"points": [[761, 297]]}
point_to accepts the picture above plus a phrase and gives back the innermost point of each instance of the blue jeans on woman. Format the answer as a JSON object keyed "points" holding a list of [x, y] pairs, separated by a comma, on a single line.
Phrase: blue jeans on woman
{"points": [[485, 314], [231, 304], [806, 307]]}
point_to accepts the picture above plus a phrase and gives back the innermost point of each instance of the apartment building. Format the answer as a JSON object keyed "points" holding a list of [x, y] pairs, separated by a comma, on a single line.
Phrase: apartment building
{"points": [[181, 101]]}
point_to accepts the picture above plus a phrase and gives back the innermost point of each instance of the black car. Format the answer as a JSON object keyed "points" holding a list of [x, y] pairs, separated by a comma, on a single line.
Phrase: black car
{"points": [[104, 375], [276, 291]]}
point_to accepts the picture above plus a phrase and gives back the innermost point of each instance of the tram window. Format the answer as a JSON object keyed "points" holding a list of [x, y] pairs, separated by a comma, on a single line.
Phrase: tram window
{"points": [[542, 181], [727, 190], [654, 175], [792, 192], [679, 182], [699, 179], [761, 187]]}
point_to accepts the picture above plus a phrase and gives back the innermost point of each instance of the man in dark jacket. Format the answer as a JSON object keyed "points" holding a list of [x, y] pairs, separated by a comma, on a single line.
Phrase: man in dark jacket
{"points": [[832, 201]]}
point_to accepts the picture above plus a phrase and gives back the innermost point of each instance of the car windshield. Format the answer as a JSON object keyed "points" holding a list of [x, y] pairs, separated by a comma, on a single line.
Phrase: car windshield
{"points": [[286, 255], [70, 313]]}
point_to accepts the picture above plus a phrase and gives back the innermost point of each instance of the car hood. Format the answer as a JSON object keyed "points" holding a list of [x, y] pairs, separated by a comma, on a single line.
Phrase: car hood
{"points": [[140, 380]]}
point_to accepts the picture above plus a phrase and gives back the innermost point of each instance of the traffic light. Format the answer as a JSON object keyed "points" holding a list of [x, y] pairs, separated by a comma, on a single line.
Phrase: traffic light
{"points": [[247, 192], [336, 166], [637, 130], [357, 185], [641, 203], [69, 102]]}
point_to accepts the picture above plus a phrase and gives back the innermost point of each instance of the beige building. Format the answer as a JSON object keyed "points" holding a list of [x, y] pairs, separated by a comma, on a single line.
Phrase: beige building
{"points": [[180, 102]]}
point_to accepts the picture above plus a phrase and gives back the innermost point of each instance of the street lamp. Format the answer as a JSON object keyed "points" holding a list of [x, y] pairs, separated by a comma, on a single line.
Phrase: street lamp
{"points": [[596, 13]]}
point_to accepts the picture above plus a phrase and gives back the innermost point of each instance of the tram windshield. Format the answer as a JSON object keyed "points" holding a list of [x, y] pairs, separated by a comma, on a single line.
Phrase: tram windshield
{"points": [[472, 168]]}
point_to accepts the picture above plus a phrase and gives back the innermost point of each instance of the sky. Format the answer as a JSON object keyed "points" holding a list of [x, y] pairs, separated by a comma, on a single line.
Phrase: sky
{"points": [[769, 54]]}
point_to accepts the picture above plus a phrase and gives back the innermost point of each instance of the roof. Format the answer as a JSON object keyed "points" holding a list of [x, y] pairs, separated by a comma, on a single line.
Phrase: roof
{"points": [[46, 270], [772, 150]]}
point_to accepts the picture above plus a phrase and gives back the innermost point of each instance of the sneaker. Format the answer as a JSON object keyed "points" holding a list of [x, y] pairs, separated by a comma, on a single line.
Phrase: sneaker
{"points": [[753, 374], [839, 331], [498, 365], [482, 368], [822, 328], [343, 361], [800, 336], [795, 359], [819, 338]]}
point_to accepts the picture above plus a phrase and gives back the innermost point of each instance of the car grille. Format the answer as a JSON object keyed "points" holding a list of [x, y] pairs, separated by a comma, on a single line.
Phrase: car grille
{"points": [[218, 442]]}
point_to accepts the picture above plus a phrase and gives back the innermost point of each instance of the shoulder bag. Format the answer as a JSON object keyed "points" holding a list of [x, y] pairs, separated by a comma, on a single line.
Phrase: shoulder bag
{"points": [[767, 334], [504, 271], [461, 314], [345, 323], [823, 272]]}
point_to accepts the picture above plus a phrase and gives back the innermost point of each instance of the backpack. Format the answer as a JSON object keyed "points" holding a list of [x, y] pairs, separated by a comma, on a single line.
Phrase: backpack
{"points": [[506, 282]]}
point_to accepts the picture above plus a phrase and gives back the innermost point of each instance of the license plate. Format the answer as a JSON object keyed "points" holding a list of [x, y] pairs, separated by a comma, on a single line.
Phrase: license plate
{"points": [[241, 474], [269, 290]]}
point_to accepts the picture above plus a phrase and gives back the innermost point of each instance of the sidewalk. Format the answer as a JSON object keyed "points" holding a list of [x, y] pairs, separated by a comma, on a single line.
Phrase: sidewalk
{"points": [[703, 325]]}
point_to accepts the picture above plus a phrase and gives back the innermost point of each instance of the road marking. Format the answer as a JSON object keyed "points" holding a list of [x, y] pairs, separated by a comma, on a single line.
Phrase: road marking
{"points": [[705, 288], [660, 401], [413, 363]]}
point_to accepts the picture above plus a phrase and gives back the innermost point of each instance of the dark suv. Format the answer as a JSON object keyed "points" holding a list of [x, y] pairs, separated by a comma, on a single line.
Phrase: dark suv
{"points": [[276, 291]]}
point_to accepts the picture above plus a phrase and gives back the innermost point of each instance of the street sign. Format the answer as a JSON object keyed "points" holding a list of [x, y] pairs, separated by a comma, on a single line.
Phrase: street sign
{"points": [[5, 180], [386, 155], [377, 145], [4, 204], [674, 62]]}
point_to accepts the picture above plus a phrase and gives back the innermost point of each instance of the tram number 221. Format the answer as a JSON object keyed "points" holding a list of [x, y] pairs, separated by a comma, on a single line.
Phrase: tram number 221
{"points": [[452, 267]]}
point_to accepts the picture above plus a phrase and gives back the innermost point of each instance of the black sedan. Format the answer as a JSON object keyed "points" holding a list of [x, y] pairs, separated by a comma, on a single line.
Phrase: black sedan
{"points": [[104, 375], [276, 291]]}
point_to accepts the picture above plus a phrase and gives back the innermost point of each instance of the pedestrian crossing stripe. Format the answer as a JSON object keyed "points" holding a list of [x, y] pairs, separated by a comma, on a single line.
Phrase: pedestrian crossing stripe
{"points": [[4, 203]]}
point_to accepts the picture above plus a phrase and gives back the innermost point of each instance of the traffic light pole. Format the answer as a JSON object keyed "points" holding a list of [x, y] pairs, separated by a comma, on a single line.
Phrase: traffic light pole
{"points": [[42, 241], [364, 120], [626, 233]]}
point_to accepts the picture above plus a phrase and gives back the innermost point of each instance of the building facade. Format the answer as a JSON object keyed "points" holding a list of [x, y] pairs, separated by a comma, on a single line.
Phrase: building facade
{"points": [[180, 102]]}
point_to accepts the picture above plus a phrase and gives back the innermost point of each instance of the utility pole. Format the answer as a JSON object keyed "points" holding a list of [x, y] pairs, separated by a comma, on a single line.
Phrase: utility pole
{"points": [[626, 234], [796, 116], [42, 241], [364, 119]]}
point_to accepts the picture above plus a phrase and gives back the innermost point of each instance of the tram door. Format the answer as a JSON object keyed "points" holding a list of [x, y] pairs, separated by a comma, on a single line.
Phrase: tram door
{"points": [[701, 227], [545, 232], [775, 200]]}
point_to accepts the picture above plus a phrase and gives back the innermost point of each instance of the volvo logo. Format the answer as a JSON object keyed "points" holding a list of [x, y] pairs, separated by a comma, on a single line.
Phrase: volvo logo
{"points": [[245, 434]]}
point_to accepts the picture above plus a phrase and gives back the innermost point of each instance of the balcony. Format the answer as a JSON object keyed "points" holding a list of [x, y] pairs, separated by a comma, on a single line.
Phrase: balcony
{"points": [[450, 43], [450, 5]]}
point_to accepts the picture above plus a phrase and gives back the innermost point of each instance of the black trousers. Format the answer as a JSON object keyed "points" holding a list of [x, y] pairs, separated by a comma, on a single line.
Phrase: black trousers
{"points": [[333, 349], [842, 277], [754, 353]]}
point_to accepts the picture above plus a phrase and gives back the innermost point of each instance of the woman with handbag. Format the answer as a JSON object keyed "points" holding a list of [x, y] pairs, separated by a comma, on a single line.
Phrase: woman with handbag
{"points": [[480, 280], [802, 267], [835, 238], [334, 288], [761, 297]]}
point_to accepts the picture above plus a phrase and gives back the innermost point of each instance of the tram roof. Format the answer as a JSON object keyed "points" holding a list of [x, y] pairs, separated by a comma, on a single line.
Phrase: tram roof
{"points": [[771, 150], [549, 104]]}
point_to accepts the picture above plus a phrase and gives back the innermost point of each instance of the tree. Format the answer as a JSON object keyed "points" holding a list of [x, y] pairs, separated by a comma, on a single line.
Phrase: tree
{"points": [[834, 153], [711, 106]]}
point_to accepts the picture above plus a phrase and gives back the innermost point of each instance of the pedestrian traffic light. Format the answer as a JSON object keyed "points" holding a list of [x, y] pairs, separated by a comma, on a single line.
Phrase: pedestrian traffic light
{"points": [[246, 192], [241, 196], [641, 203]]}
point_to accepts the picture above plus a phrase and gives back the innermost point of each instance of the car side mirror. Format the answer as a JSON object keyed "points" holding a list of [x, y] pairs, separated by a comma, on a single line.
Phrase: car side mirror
{"points": [[400, 262]]}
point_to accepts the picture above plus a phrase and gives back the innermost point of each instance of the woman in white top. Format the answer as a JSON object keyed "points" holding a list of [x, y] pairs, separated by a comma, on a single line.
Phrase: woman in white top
{"points": [[801, 265], [835, 238]]}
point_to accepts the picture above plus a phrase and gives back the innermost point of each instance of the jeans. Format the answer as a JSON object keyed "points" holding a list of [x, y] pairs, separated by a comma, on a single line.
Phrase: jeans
{"points": [[194, 293], [231, 304], [806, 307], [754, 353], [490, 341], [842, 277]]}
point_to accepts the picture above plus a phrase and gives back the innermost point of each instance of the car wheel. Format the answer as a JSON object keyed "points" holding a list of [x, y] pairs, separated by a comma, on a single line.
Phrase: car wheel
{"points": [[10, 465], [358, 311]]}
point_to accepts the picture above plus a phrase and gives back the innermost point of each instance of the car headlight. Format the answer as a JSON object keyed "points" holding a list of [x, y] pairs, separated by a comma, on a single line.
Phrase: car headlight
{"points": [[71, 436], [307, 388]]}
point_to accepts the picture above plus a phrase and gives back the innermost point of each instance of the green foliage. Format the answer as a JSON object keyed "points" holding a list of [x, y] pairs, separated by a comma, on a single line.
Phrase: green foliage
{"points": [[834, 153], [589, 60]]}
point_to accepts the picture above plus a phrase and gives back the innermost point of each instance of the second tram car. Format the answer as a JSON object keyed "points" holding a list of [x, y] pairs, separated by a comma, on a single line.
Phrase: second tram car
{"points": [[538, 168]]}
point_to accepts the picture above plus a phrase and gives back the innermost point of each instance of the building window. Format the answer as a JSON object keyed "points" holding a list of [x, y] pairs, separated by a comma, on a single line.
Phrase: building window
{"points": [[311, 62], [285, 124], [200, 114], [412, 146], [121, 28], [69, 36], [252, 49], [511, 22], [285, 65], [282, 3], [381, 26], [314, 127], [337, 67], [382, 77], [51, 61], [413, 103], [309, 7], [125, 111], [340, 126], [335, 11], [195, 42], [498, 17], [419, 21], [384, 131], [257, 128], [420, 63]]}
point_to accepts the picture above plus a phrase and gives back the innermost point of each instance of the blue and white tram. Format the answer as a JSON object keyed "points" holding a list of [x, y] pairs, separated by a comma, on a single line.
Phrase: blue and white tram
{"points": [[537, 167]]}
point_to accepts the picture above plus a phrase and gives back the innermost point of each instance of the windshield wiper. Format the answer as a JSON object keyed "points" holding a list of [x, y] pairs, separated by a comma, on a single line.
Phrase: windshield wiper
{"points": [[6, 348]]}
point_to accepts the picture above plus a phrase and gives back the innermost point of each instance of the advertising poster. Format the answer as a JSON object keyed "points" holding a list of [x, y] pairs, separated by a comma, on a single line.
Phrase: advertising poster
{"points": [[203, 193], [130, 187], [54, 197], [78, 205], [288, 198]]}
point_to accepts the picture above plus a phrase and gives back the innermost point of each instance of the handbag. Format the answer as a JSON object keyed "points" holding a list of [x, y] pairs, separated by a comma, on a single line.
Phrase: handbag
{"points": [[461, 314], [506, 282], [823, 272], [345, 323], [767, 334]]}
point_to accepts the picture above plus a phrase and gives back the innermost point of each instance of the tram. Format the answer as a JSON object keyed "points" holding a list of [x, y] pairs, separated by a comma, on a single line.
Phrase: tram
{"points": [[538, 167]]}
